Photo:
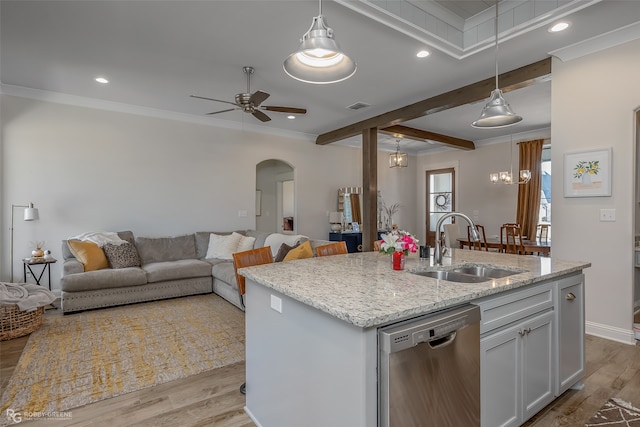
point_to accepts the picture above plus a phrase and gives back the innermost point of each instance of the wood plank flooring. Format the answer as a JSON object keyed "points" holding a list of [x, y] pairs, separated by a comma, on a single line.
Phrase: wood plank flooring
{"points": [[213, 398]]}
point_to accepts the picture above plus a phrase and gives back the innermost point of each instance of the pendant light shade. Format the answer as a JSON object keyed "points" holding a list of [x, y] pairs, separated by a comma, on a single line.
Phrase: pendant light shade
{"points": [[319, 59], [497, 113], [398, 159]]}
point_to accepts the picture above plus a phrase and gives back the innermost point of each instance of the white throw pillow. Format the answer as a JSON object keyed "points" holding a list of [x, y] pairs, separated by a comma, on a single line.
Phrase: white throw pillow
{"points": [[246, 243], [223, 247]]}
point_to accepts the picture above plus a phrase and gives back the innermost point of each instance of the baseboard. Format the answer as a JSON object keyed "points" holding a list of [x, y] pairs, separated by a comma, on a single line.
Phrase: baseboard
{"points": [[625, 336], [248, 412]]}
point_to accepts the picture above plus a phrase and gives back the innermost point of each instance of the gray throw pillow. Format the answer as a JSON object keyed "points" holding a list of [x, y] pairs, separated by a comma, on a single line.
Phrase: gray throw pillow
{"points": [[122, 256], [283, 251]]}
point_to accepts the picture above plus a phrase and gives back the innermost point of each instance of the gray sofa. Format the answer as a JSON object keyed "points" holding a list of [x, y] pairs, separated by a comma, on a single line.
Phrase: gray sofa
{"points": [[170, 267]]}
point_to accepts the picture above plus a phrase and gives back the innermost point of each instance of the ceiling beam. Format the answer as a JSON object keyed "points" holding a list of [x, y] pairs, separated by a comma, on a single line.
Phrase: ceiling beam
{"points": [[422, 135], [511, 80]]}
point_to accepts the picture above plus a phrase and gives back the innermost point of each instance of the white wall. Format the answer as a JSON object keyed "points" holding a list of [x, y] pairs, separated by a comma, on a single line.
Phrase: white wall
{"points": [[90, 170], [593, 103]]}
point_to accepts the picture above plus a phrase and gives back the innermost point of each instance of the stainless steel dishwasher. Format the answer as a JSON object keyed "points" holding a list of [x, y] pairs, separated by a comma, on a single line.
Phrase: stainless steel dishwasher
{"points": [[429, 370]]}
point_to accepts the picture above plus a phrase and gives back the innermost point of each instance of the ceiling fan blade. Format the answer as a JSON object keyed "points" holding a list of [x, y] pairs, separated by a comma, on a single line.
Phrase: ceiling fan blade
{"points": [[261, 116], [258, 97], [212, 99], [223, 111], [291, 110]]}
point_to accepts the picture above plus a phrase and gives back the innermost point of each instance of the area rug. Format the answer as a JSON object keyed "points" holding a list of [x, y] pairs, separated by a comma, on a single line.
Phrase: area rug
{"points": [[81, 358], [616, 412]]}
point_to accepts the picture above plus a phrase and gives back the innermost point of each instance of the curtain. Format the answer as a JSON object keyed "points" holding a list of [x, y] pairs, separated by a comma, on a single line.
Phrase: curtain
{"points": [[355, 208], [529, 193]]}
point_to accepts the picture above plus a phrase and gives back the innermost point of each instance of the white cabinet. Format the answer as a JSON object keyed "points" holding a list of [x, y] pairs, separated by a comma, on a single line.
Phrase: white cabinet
{"points": [[517, 355], [570, 324], [531, 349]]}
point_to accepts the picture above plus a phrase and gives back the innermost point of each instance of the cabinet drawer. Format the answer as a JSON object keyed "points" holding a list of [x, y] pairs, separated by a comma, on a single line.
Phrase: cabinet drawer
{"points": [[500, 311], [637, 252]]}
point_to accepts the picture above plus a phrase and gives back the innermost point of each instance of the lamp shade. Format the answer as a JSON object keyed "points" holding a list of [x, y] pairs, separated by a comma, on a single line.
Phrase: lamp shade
{"points": [[319, 60], [31, 213], [335, 217], [497, 113], [398, 160]]}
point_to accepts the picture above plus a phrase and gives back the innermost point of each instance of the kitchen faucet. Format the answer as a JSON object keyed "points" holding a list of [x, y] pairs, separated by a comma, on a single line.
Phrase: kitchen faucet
{"points": [[439, 251]]}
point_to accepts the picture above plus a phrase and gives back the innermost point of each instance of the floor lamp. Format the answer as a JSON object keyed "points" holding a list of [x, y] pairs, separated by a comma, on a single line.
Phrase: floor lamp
{"points": [[30, 214]]}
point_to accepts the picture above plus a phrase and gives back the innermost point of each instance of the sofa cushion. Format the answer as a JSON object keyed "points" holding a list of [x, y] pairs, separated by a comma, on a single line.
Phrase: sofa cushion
{"points": [[103, 279], [122, 256], [223, 247], [89, 254], [275, 240], [202, 241], [246, 243], [124, 235], [158, 249], [303, 251], [224, 271], [173, 270], [260, 237]]}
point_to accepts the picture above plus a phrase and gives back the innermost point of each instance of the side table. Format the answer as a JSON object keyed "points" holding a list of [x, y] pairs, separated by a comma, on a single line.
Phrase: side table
{"points": [[46, 263]]}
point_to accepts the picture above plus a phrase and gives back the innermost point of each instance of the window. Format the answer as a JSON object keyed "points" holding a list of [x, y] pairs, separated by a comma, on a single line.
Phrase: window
{"points": [[544, 216]]}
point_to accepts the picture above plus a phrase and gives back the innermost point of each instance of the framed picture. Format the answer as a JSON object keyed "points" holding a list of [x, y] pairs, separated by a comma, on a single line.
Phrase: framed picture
{"points": [[356, 227], [587, 173]]}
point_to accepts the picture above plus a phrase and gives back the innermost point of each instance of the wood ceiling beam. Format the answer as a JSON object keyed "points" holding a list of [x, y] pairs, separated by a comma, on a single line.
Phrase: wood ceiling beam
{"points": [[422, 135], [511, 80]]}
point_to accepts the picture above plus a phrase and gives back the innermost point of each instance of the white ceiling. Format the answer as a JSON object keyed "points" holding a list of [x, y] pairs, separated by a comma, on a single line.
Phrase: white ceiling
{"points": [[157, 53]]}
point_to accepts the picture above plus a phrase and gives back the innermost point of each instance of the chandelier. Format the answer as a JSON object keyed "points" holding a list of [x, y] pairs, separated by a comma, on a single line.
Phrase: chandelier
{"points": [[398, 159], [506, 177]]}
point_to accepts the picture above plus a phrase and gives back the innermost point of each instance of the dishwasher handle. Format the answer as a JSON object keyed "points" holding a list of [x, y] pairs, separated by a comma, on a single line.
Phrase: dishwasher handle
{"points": [[443, 341]]}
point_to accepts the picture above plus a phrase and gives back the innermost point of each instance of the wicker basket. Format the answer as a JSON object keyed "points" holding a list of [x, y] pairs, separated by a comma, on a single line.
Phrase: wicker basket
{"points": [[15, 323]]}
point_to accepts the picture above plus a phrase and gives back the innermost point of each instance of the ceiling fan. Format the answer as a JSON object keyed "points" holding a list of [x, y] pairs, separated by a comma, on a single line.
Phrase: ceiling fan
{"points": [[250, 102]]}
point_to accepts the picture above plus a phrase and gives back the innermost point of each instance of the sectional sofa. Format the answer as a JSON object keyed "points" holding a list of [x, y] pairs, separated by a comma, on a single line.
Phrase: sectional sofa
{"points": [[166, 267]]}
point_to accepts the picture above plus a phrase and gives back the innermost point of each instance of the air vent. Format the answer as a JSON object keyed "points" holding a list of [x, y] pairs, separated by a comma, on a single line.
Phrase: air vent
{"points": [[401, 338], [358, 106]]}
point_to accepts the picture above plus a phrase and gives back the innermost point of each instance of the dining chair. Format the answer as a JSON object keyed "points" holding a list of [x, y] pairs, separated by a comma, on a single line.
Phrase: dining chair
{"points": [[483, 238], [336, 248], [376, 245], [249, 258], [544, 232], [512, 243]]}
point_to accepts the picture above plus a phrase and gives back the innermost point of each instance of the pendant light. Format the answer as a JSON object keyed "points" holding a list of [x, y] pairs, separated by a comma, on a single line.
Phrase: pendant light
{"points": [[506, 177], [398, 159], [497, 113], [319, 60]]}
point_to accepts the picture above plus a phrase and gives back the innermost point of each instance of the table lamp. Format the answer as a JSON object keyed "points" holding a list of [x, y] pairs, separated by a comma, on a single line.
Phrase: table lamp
{"points": [[335, 219]]}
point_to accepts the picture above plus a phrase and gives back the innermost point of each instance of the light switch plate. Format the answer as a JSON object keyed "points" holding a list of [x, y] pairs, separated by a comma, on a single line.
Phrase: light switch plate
{"points": [[607, 214], [242, 214]]}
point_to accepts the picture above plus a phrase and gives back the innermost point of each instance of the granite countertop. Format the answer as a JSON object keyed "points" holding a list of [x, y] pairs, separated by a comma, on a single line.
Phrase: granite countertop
{"points": [[364, 290]]}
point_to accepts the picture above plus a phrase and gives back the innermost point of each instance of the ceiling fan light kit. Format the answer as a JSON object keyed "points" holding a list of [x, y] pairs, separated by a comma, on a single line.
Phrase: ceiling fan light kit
{"points": [[496, 113], [319, 60]]}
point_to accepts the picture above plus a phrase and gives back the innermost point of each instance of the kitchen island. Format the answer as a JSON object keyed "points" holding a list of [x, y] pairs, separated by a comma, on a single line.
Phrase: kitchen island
{"points": [[311, 326]]}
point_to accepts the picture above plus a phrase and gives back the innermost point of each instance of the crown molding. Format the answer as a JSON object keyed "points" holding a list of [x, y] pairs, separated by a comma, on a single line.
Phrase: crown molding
{"points": [[598, 43], [99, 104]]}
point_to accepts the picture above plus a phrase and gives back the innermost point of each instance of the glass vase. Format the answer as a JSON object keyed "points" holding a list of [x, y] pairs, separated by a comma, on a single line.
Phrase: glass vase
{"points": [[397, 259]]}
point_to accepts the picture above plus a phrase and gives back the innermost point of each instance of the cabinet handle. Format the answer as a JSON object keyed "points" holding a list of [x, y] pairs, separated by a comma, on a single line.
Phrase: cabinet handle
{"points": [[524, 332], [570, 296]]}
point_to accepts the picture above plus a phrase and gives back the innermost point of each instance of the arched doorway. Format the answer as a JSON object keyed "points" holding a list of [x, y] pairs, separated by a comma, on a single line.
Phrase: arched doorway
{"points": [[275, 197]]}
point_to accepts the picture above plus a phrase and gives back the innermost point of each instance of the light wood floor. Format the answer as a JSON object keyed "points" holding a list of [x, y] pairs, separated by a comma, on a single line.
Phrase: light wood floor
{"points": [[213, 398]]}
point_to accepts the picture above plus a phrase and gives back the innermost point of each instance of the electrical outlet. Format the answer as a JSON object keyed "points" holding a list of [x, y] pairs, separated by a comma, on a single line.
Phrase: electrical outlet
{"points": [[608, 215], [276, 303]]}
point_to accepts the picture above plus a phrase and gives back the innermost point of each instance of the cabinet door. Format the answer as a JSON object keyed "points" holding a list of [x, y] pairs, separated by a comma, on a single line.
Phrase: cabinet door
{"points": [[500, 379], [538, 369], [570, 295]]}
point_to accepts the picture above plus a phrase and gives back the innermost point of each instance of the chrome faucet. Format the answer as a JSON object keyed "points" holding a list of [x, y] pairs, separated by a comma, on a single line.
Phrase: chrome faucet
{"points": [[440, 247]]}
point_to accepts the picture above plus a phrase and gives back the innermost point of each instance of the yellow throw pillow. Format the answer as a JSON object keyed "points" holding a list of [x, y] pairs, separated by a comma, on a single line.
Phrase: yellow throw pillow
{"points": [[301, 252], [89, 254]]}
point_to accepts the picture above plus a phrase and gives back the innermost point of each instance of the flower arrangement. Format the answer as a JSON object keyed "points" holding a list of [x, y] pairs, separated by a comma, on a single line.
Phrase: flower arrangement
{"points": [[586, 167], [398, 240]]}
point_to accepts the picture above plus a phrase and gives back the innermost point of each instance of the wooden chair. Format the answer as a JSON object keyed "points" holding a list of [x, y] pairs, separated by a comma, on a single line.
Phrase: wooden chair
{"points": [[337, 248], [376, 245], [483, 238], [544, 232], [512, 243], [249, 258]]}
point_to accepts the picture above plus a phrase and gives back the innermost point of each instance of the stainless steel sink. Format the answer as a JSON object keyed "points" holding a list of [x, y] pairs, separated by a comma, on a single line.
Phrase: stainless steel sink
{"points": [[468, 273]]}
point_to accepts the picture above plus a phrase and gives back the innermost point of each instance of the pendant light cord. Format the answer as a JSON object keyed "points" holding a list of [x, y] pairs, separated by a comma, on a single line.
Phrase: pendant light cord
{"points": [[320, 14], [496, 24]]}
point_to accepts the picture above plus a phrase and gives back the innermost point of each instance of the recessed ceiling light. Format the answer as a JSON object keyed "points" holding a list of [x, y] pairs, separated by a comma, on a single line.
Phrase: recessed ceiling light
{"points": [[291, 117], [102, 80], [560, 26], [422, 54]]}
